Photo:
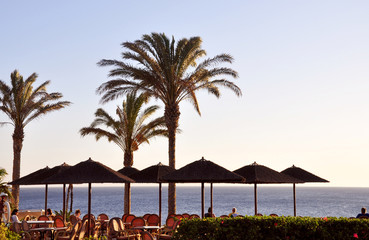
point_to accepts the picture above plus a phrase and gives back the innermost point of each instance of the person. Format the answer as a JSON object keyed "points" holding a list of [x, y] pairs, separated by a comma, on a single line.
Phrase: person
{"points": [[14, 217], [233, 213], [208, 214], [77, 213], [363, 213], [49, 213], [4, 208]]}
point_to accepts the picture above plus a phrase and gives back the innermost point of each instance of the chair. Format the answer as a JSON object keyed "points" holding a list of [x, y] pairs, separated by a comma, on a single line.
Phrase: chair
{"points": [[168, 233], [16, 227], [43, 218], [34, 234], [93, 229], [138, 222], [103, 224], [273, 215], [179, 216], [64, 235], [223, 216], [169, 224], [153, 220], [146, 216], [86, 217], [171, 215], [117, 231], [259, 214], [83, 230], [73, 219], [124, 217], [186, 215], [129, 218], [147, 236], [195, 216]]}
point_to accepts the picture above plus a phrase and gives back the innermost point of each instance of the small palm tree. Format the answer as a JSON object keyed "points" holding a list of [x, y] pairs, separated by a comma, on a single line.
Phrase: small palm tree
{"points": [[169, 71], [129, 131], [22, 103], [3, 186]]}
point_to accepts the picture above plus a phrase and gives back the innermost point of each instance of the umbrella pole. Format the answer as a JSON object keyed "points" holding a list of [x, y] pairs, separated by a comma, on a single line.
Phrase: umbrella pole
{"points": [[202, 200], [294, 199], [159, 204], [256, 198], [89, 210], [64, 203], [211, 198], [46, 188]]}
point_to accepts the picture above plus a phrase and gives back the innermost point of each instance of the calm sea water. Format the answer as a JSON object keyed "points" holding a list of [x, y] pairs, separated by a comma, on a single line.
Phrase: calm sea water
{"points": [[311, 201]]}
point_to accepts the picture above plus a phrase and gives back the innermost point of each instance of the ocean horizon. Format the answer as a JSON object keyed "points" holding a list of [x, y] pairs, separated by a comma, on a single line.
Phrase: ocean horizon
{"points": [[310, 201]]}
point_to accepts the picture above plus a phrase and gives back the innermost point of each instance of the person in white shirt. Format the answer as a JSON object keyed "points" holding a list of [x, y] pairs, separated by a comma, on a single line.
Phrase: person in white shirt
{"points": [[14, 217]]}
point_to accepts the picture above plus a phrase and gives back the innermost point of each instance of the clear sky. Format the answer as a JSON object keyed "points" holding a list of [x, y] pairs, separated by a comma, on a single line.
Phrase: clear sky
{"points": [[303, 68]]}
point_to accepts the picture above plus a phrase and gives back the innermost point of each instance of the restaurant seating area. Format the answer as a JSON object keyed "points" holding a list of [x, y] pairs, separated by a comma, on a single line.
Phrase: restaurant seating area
{"points": [[128, 226]]}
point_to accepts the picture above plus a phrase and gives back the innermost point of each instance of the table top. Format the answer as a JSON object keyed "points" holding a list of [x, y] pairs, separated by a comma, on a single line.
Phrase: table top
{"points": [[38, 222], [146, 227]]}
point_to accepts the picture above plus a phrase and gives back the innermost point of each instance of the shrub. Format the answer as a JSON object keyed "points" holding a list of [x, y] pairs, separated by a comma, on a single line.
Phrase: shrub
{"points": [[6, 233], [264, 228]]}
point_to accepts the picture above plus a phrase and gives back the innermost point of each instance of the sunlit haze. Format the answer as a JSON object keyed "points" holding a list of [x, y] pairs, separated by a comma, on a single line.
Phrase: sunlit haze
{"points": [[303, 69]]}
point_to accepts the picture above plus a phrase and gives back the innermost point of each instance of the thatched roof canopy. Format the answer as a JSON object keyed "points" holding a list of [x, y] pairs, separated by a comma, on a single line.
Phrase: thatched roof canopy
{"points": [[202, 171], [128, 171], [152, 174], [302, 174], [88, 172], [255, 173]]}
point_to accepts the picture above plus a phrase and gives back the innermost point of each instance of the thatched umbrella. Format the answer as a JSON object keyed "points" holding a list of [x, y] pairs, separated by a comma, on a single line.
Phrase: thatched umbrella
{"points": [[128, 171], [88, 172], [259, 174], [303, 175], [203, 171], [37, 178], [152, 175]]}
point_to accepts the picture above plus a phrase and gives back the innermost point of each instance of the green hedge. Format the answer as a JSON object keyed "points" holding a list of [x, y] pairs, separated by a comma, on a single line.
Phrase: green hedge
{"points": [[264, 228]]}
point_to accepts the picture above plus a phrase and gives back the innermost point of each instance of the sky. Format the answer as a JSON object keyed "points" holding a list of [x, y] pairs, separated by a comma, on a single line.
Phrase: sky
{"points": [[303, 70]]}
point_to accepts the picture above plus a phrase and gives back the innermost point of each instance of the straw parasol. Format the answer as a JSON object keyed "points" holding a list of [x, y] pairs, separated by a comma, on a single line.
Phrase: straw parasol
{"points": [[303, 175], [127, 171], [259, 174], [37, 177], [203, 171], [152, 175], [88, 171]]}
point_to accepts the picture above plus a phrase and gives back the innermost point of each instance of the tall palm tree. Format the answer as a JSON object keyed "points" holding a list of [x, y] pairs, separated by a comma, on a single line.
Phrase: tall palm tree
{"points": [[24, 103], [169, 71], [129, 131]]}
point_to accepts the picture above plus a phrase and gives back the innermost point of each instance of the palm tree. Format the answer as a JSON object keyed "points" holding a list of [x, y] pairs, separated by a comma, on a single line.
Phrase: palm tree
{"points": [[24, 103], [129, 131], [168, 71]]}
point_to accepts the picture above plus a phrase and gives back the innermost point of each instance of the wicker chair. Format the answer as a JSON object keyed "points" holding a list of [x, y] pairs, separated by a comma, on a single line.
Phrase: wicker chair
{"points": [[146, 216], [186, 215], [117, 231], [33, 234], [167, 233], [146, 236], [195, 216], [153, 220], [64, 235]]}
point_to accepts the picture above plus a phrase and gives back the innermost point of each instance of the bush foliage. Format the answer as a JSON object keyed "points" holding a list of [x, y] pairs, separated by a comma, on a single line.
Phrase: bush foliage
{"points": [[6, 233], [264, 228]]}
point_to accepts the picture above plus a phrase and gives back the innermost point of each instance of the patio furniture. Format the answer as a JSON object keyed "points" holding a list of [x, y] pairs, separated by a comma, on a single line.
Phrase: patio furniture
{"points": [[17, 228], [64, 235], [194, 216], [145, 235], [33, 234], [116, 230], [167, 233], [153, 220], [146, 216], [186, 215]]}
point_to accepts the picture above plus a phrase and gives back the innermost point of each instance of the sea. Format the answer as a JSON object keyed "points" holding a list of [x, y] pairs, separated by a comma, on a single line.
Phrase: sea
{"points": [[311, 201]]}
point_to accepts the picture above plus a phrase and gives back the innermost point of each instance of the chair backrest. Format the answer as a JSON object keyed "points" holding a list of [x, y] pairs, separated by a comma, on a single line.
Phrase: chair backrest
{"points": [[153, 220], [138, 222], [146, 216], [259, 214], [171, 215], [102, 216], [170, 222], [25, 226], [179, 216], [16, 227], [114, 227], [73, 219], [43, 218], [124, 217], [58, 222], [197, 216], [273, 215], [186, 215], [86, 217], [75, 229], [83, 231], [146, 236], [129, 218]]}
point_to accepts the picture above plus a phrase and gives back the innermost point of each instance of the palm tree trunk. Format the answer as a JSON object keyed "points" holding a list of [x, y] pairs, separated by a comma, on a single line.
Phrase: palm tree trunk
{"points": [[71, 198], [128, 162], [18, 137], [171, 119]]}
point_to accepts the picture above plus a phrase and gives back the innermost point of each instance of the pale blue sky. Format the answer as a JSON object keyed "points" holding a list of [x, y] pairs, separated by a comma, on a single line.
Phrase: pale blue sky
{"points": [[303, 69]]}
